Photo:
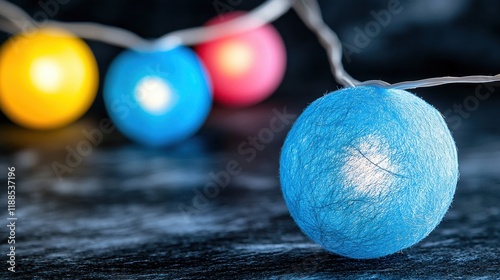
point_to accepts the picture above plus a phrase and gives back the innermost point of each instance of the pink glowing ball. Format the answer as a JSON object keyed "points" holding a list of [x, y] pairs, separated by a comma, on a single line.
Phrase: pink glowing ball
{"points": [[246, 68]]}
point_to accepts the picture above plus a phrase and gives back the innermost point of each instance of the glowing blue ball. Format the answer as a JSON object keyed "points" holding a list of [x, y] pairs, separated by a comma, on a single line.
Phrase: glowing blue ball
{"points": [[367, 172], [158, 98]]}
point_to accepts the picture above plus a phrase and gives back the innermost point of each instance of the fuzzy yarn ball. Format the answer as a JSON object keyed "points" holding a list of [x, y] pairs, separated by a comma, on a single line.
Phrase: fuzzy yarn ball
{"points": [[158, 98], [367, 172]]}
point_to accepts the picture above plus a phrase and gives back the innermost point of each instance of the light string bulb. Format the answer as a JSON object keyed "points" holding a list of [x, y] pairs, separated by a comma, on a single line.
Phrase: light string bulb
{"points": [[371, 169], [48, 78], [245, 68], [158, 98]]}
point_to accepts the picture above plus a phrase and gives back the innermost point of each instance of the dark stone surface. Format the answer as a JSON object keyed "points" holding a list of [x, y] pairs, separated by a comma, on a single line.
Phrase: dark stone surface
{"points": [[117, 215]]}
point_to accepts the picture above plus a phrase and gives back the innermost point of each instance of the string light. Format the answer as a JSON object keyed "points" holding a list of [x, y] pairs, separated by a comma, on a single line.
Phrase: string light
{"points": [[48, 78], [158, 98], [245, 68], [362, 165], [149, 110], [368, 171]]}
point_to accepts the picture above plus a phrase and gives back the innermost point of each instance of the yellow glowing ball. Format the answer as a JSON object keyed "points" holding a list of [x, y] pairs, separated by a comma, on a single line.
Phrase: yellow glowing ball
{"points": [[48, 78]]}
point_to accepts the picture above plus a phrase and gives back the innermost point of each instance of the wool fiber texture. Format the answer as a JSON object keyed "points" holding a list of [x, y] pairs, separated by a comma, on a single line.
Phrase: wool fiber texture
{"points": [[367, 172]]}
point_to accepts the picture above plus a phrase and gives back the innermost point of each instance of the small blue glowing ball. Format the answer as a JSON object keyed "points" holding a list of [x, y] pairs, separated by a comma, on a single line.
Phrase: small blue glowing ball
{"points": [[367, 172], [158, 98]]}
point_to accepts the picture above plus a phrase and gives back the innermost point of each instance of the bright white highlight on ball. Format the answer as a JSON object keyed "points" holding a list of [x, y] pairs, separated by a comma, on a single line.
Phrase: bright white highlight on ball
{"points": [[154, 95], [369, 167], [46, 74], [236, 58]]}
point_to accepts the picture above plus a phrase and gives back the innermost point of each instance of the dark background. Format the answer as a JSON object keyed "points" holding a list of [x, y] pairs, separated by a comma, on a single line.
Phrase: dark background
{"points": [[118, 212]]}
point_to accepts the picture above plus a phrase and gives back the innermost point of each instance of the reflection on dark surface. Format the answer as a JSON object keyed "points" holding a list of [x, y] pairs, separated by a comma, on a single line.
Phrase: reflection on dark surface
{"points": [[133, 211]]}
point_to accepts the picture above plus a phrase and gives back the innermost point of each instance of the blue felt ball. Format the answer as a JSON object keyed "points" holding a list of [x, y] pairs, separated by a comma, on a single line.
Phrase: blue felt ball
{"points": [[367, 171], [158, 98]]}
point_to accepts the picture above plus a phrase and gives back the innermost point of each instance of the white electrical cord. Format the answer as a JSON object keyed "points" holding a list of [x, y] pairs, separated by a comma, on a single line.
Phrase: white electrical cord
{"points": [[267, 12], [16, 21], [310, 13]]}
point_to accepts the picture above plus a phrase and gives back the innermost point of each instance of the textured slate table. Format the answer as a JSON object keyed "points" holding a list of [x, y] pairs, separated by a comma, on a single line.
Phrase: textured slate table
{"points": [[119, 213]]}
